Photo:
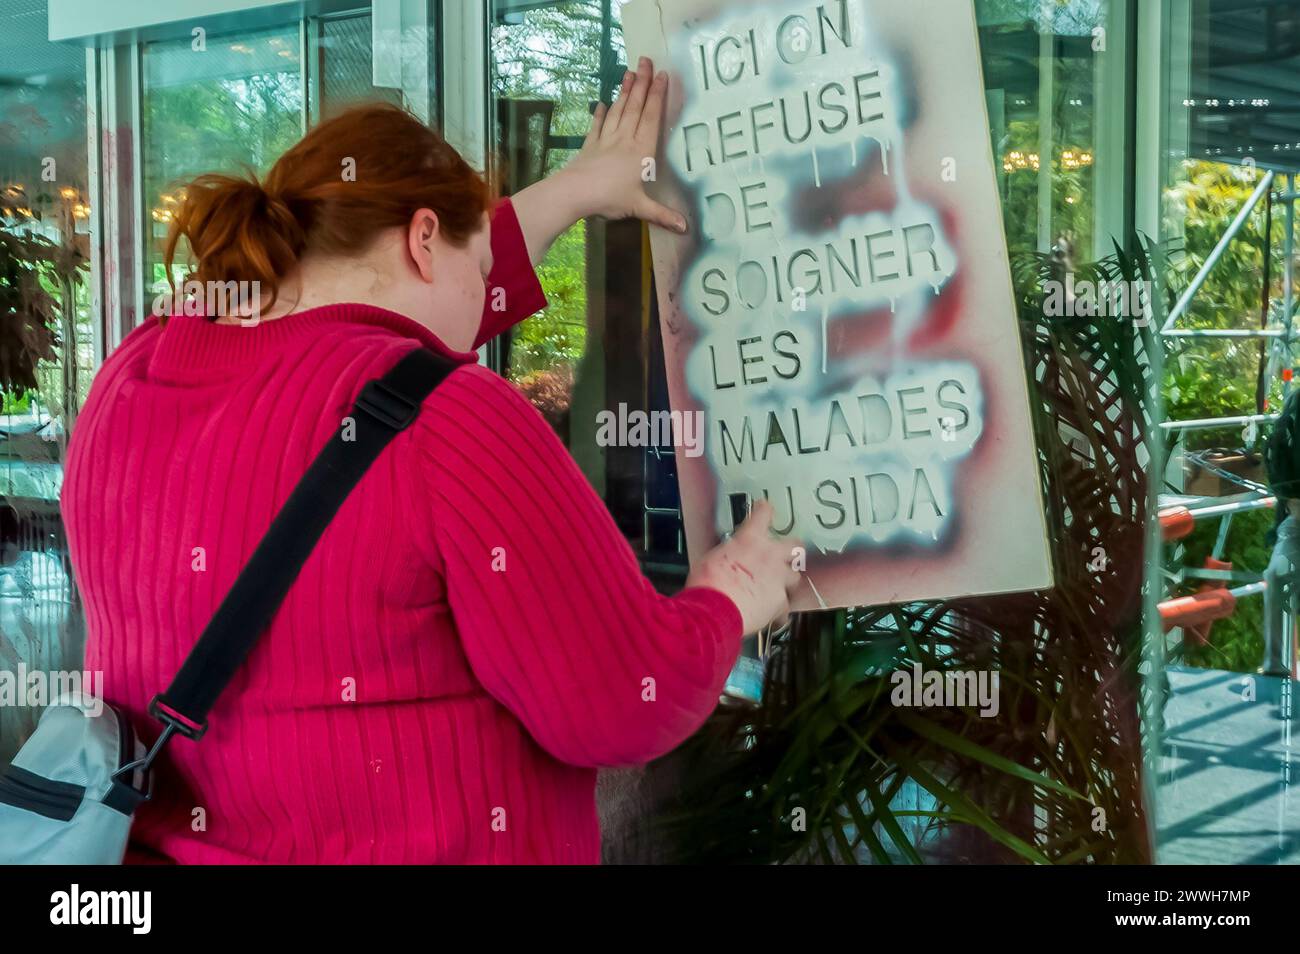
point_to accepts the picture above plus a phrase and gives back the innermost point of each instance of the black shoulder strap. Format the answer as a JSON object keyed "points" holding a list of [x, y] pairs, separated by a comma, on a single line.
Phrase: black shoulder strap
{"points": [[385, 407]]}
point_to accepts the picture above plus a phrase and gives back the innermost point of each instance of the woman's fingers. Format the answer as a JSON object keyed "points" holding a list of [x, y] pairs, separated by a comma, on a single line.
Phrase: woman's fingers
{"points": [[759, 521], [620, 103], [597, 123], [647, 130], [635, 98]]}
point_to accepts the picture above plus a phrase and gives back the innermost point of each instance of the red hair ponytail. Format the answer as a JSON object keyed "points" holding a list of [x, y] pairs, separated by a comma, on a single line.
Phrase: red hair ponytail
{"points": [[368, 169]]}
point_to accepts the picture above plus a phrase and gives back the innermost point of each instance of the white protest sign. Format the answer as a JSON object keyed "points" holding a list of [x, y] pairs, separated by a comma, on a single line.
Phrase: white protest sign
{"points": [[841, 310]]}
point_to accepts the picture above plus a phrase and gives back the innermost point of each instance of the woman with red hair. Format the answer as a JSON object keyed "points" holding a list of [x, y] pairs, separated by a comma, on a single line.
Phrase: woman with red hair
{"points": [[472, 637]]}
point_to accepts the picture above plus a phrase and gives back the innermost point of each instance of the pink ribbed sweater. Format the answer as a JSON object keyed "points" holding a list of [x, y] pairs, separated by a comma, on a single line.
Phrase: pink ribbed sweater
{"points": [[471, 638]]}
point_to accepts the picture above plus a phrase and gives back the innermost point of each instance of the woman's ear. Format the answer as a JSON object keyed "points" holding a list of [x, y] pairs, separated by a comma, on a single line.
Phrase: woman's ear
{"points": [[422, 240]]}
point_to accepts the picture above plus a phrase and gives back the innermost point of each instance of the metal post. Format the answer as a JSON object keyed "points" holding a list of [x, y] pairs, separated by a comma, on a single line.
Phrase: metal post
{"points": [[1260, 191], [1241, 506], [1046, 121], [1221, 541], [1209, 423], [1223, 333], [1288, 272], [1250, 589]]}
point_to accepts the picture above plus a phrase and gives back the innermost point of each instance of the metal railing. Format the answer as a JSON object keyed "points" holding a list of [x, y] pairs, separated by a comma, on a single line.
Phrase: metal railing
{"points": [[1178, 520]]}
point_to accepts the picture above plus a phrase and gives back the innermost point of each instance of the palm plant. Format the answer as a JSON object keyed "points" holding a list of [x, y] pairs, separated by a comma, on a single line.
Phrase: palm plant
{"points": [[39, 277], [31, 315], [828, 770]]}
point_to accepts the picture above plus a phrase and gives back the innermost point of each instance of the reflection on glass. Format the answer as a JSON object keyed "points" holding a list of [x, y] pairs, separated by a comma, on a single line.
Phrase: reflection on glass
{"points": [[546, 75], [342, 66], [1040, 70], [1226, 755], [47, 346], [596, 346], [220, 104]]}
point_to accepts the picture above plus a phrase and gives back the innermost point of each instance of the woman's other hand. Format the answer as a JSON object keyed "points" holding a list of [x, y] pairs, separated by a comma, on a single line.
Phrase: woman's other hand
{"points": [[608, 176], [754, 568]]}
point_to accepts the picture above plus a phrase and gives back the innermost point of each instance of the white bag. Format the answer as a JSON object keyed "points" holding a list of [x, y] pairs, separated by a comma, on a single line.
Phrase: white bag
{"points": [[70, 793]]}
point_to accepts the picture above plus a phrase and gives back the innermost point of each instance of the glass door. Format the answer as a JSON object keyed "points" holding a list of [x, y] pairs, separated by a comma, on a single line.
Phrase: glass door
{"points": [[47, 343], [234, 99], [1225, 571]]}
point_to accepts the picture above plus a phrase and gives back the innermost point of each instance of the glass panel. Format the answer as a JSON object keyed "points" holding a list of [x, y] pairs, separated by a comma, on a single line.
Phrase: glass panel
{"points": [[597, 345], [235, 103], [341, 72], [1041, 66], [1049, 68], [1231, 156], [47, 342]]}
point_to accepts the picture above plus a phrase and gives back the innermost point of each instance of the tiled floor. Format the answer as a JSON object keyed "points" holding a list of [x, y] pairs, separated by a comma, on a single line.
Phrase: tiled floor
{"points": [[1228, 778]]}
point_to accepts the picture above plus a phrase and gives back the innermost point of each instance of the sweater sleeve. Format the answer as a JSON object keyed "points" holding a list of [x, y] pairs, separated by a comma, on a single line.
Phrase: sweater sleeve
{"points": [[556, 618], [513, 291]]}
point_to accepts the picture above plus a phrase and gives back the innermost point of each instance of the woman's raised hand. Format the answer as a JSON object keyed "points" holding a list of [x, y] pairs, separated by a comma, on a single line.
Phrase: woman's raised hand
{"points": [[619, 153], [608, 176]]}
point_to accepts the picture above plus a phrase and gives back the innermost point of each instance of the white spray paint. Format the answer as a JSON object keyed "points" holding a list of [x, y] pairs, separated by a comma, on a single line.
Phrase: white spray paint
{"points": [[883, 449]]}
